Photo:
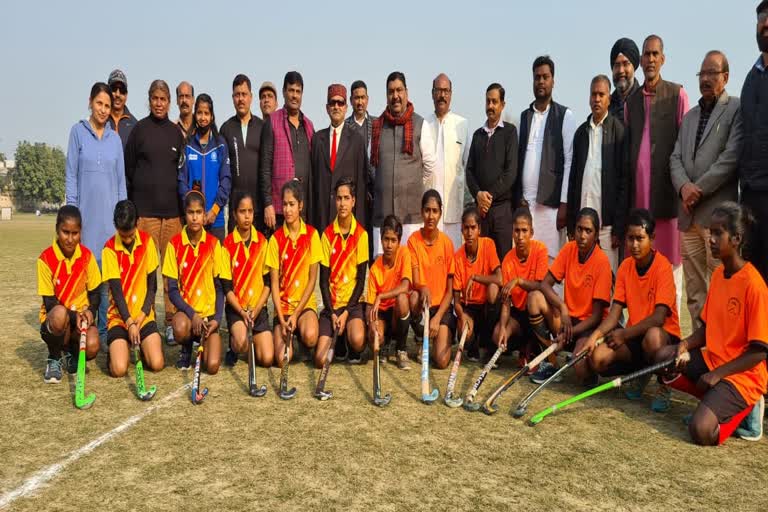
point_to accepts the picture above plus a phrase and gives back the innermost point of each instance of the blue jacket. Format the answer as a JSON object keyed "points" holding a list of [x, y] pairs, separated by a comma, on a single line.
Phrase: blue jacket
{"points": [[95, 181], [209, 172]]}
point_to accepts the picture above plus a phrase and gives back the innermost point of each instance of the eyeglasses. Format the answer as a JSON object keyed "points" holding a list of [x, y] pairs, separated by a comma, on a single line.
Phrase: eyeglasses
{"points": [[709, 74], [336, 103], [441, 92], [119, 87]]}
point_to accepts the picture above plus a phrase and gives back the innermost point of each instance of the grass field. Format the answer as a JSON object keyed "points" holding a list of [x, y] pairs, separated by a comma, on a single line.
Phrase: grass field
{"points": [[235, 452]]}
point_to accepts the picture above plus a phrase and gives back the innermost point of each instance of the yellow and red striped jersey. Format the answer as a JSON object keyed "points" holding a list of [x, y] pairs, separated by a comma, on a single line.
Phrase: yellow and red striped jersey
{"points": [[244, 266], [131, 267], [67, 279], [342, 255], [195, 268], [292, 260]]}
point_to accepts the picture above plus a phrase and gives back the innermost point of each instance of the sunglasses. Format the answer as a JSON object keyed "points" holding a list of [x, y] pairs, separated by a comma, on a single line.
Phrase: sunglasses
{"points": [[119, 87], [336, 103]]}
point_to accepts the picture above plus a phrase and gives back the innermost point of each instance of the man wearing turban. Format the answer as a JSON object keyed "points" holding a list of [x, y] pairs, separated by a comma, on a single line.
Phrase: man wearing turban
{"points": [[625, 58]]}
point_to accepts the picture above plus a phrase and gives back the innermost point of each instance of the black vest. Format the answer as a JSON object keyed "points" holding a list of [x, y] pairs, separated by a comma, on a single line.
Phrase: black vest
{"points": [[552, 156]]}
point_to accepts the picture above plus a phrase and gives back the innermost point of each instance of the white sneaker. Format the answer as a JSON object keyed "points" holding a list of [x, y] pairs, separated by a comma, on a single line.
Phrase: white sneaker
{"points": [[169, 336]]}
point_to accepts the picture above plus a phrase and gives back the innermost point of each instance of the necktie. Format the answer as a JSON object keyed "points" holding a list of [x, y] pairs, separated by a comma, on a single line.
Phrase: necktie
{"points": [[333, 150]]}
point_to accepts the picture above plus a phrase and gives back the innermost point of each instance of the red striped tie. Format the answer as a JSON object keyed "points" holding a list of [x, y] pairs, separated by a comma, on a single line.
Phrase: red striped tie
{"points": [[333, 150]]}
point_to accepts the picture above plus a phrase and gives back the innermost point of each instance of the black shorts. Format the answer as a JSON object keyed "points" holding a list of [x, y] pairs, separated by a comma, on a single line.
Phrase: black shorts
{"points": [[326, 326], [448, 320], [73, 329], [476, 312], [276, 321], [260, 323], [119, 332], [724, 400], [635, 346]]}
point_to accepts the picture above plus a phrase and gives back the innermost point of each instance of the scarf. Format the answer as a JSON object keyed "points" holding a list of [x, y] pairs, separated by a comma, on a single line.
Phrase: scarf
{"points": [[405, 120]]}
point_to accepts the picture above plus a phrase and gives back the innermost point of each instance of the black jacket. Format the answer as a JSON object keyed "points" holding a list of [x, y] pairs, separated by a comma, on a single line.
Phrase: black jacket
{"points": [[613, 182], [492, 163], [244, 158]]}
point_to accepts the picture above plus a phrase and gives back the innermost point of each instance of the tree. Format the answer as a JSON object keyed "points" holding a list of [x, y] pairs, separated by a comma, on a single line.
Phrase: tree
{"points": [[39, 174]]}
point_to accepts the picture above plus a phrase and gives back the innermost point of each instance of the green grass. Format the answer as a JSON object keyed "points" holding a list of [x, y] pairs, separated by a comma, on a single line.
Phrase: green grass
{"points": [[235, 452]]}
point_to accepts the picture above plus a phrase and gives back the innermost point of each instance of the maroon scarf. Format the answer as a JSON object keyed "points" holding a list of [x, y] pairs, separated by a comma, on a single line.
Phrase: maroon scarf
{"points": [[405, 120]]}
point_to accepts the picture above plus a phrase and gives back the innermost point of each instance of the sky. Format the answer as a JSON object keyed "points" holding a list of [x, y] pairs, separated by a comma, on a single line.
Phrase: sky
{"points": [[54, 51]]}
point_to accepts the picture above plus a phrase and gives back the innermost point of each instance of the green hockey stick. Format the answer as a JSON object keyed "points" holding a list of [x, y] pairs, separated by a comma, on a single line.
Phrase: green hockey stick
{"points": [[141, 390], [82, 401], [615, 383]]}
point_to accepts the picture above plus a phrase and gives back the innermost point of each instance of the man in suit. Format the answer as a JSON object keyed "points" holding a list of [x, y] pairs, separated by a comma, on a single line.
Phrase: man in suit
{"points": [[449, 132], [704, 173], [337, 151]]}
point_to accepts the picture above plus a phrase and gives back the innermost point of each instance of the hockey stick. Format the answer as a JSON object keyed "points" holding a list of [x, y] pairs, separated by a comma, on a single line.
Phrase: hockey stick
{"points": [[320, 392], [82, 401], [615, 383], [141, 390], [490, 407], [253, 388], [379, 400], [199, 395], [285, 393], [523, 405], [450, 401], [469, 401], [426, 396]]}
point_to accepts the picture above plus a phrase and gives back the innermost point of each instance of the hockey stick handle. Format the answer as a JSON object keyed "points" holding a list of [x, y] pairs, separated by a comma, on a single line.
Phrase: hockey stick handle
{"points": [[425, 354], [481, 378], [326, 364], [457, 360]]}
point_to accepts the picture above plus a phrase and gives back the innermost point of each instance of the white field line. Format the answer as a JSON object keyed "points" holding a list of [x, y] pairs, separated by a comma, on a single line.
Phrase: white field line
{"points": [[47, 474]]}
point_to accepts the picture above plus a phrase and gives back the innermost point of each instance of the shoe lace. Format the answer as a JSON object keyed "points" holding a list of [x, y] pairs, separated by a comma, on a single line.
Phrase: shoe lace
{"points": [[55, 364]]}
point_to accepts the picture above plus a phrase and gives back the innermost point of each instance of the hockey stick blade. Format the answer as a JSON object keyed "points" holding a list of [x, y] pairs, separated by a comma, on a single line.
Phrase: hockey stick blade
{"points": [[320, 392], [287, 394], [430, 398], [142, 392], [452, 402], [197, 396], [382, 401], [253, 388], [256, 391], [469, 402], [426, 396]]}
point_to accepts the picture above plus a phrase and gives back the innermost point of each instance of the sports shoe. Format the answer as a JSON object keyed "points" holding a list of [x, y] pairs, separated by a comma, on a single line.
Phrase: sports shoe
{"points": [[418, 327], [52, 373], [340, 351], [402, 360], [751, 427], [545, 371], [662, 400], [230, 359], [355, 357], [185, 357], [169, 340], [635, 390]]}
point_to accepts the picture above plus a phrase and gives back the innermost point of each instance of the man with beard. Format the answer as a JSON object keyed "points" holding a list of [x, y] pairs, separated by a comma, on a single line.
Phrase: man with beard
{"points": [[704, 165], [120, 118], [753, 163], [242, 132], [625, 57], [185, 98], [492, 171], [546, 148], [285, 152], [450, 137], [402, 152], [653, 115]]}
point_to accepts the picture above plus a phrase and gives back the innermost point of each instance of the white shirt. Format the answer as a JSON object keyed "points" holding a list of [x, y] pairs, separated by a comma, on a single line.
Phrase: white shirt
{"points": [[428, 157], [338, 138], [591, 184], [491, 131], [532, 166]]}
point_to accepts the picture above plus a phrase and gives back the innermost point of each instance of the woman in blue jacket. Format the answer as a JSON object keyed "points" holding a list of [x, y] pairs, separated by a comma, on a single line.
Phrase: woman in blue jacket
{"points": [[206, 166], [95, 178]]}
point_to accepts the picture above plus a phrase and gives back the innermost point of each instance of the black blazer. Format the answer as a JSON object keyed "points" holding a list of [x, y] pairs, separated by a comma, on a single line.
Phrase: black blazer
{"points": [[350, 162], [613, 182]]}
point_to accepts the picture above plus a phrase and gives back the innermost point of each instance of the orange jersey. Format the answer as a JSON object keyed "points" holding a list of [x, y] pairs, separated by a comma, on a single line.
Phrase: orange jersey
{"points": [[382, 279], [435, 263], [244, 266], [342, 255], [485, 264], [584, 282], [641, 294], [67, 279], [534, 269], [292, 260], [131, 268], [195, 268], [735, 315]]}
